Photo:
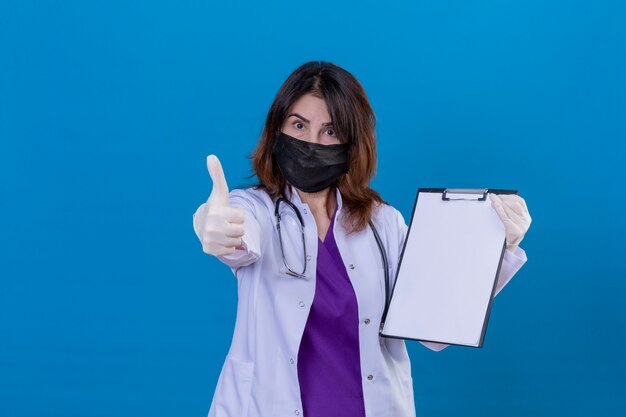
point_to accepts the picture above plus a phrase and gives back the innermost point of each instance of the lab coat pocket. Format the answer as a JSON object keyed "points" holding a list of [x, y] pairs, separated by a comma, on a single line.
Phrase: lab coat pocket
{"points": [[233, 395]]}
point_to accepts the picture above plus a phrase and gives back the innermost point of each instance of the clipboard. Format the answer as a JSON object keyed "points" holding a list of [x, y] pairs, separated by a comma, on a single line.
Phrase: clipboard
{"points": [[448, 269]]}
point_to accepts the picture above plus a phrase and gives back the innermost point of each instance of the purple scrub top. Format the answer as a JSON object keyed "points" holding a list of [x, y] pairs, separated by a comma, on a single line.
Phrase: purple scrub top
{"points": [[329, 366]]}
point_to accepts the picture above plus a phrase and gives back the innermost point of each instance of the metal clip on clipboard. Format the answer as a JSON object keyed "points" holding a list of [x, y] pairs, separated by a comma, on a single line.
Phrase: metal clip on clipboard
{"points": [[475, 191]]}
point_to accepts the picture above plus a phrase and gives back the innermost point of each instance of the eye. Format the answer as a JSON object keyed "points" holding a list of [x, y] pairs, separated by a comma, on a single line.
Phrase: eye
{"points": [[298, 125], [330, 131]]}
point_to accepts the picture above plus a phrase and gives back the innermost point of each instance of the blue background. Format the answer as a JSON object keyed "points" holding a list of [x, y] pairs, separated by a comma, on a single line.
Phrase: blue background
{"points": [[108, 306]]}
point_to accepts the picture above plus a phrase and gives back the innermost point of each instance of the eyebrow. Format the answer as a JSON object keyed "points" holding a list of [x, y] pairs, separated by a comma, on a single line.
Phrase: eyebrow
{"points": [[305, 120]]}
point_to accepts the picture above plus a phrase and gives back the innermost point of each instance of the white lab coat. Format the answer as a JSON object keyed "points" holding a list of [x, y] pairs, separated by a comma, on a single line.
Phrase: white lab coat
{"points": [[259, 377]]}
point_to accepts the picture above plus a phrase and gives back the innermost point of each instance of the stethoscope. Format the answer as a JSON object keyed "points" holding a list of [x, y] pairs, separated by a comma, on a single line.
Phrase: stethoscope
{"points": [[290, 271]]}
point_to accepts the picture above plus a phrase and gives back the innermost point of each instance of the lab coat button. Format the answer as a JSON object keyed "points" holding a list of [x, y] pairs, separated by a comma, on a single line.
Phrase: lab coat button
{"points": [[301, 303], [351, 266], [367, 321], [297, 412], [305, 211], [308, 257], [291, 361], [370, 377]]}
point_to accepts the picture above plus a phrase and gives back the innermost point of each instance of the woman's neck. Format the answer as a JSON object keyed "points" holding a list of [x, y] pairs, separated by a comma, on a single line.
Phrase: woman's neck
{"points": [[321, 203]]}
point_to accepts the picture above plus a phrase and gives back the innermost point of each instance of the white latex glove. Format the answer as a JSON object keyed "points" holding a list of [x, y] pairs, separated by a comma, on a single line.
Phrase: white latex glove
{"points": [[221, 226], [512, 210]]}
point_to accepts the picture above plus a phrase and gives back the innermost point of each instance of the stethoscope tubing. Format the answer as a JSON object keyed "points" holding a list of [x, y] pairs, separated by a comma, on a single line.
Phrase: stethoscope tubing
{"points": [[291, 272]]}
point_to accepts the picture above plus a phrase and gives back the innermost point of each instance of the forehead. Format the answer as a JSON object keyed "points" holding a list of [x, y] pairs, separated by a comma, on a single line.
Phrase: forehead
{"points": [[311, 107]]}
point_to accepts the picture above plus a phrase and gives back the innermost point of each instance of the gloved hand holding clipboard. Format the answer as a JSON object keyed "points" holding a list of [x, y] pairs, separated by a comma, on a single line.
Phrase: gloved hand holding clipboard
{"points": [[449, 267]]}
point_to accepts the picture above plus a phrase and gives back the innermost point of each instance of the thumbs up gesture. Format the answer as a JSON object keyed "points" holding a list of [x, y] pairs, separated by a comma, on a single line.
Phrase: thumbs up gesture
{"points": [[223, 226]]}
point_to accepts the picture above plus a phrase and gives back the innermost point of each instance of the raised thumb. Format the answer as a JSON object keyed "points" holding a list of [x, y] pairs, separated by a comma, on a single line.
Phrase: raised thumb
{"points": [[219, 193]]}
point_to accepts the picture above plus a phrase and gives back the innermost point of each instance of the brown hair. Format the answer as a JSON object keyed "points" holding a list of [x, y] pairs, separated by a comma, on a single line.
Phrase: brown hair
{"points": [[353, 120]]}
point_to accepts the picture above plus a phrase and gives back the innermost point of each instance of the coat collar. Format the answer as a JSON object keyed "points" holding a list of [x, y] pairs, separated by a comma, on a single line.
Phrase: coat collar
{"points": [[295, 198]]}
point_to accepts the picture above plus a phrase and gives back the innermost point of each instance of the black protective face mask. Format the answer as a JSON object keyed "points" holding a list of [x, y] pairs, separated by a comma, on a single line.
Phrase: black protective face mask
{"points": [[310, 167]]}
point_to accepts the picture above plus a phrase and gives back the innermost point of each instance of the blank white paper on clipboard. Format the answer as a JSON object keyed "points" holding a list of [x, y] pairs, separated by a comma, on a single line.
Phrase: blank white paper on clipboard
{"points": [[448, 270]]}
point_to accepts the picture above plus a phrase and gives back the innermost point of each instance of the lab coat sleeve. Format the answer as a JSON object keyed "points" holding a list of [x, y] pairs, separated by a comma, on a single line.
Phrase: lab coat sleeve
{"points": [[250, 250], [512, 261]]}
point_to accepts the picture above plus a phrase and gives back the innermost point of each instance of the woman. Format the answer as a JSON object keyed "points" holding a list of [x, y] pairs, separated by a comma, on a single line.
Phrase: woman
{"points": [[311, 290]]}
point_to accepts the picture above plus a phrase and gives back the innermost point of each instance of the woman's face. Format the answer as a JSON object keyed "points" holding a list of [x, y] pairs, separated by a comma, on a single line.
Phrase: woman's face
{"points": [[308, 120]]}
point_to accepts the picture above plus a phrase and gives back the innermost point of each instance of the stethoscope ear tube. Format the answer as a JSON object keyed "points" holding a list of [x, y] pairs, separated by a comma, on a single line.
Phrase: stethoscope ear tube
{"points": [[383, 255], [288, 269], [284, 270]]}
